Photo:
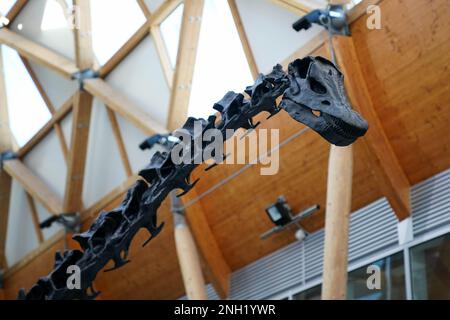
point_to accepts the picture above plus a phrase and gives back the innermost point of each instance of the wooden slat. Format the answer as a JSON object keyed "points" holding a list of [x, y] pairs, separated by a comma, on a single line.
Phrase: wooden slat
{"points": [[132, 43], [119, 141], [117, 192], [244, 40], [184, 70], [144, 8], [57, 117], [83, 38], [163, 55], [34, 186], [38, 53], [5, 180], [77, 157], [35, 218], [50, 107], [123, 106], [15, 10], [217, 268], [388, 171], [292, 6], [164, 10]]}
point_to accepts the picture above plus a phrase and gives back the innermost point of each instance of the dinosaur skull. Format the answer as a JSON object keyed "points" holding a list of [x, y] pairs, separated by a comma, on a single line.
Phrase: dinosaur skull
{"points": [[317, 85]]}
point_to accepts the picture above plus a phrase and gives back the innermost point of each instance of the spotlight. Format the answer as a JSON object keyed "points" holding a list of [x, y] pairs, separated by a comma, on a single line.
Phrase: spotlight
{"points": [[280, 214]]}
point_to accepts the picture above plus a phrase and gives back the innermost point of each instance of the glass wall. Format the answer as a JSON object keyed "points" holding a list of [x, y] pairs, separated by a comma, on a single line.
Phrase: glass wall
{"points": [[429, 275], [430, 269], [387, 284], [385, 277]]}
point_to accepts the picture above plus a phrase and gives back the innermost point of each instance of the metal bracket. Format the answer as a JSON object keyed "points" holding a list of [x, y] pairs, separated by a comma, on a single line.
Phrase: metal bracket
{"points": [[333, 19], [294, 222], [70, 221], [83, 75], [7, 155]]}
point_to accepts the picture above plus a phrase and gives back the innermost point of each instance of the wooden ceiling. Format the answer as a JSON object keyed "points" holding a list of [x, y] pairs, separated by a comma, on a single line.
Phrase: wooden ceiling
{"points": [[406, 68]]}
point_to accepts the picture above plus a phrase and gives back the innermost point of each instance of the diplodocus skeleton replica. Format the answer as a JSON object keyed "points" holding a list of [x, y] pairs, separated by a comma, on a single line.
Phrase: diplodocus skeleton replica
{"points": [[310, 84]]}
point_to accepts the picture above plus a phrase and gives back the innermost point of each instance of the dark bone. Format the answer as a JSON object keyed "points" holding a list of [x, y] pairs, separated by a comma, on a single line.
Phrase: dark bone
{"points": [[310, 81]]}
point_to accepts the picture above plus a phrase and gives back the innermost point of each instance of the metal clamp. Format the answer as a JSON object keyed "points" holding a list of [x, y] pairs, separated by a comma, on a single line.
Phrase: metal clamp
{"points": [[7, 155], [83, 75]]}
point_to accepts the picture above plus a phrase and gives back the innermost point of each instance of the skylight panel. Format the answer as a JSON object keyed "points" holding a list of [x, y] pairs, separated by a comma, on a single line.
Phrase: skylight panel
{"points": [[170, 31], [26, 108], [5, 6], [221, 64], [113, 23]]}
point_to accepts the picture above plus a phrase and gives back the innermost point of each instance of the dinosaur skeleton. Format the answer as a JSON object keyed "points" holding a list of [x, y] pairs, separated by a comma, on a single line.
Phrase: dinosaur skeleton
{"points": [[311, 84]]}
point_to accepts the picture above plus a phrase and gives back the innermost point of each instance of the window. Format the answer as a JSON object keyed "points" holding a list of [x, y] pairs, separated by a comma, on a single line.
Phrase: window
{"points": [[170, 31], [392, 280], [113, 23], [430, 269], [313, 293], [27, 111], [221, 64]]}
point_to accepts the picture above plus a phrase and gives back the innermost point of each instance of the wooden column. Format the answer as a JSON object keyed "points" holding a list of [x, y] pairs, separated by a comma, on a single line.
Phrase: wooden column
{"points": [[5, 179], [339, 196], [81, 113], [188, 257]]}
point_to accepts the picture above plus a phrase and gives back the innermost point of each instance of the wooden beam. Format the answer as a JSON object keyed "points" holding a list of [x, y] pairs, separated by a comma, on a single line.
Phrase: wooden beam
{"points": [[5, 179], [83, 38], [144, 8], [244, 40], [164, 10], [35, 218], [15, 10], [391, 177], [163, 55], [38, 53], [121, 54], [77, 156], [117, 192], [120, 104], [50, 107], [57, 117], [82, 108], [292, 6], [184, 70], [119, 141], [33, 185], [217, 268]]}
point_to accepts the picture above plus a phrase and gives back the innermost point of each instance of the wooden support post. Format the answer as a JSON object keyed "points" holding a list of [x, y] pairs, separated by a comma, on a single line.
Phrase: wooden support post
{"points": [[216, 267], [184, 69], [35, 218], [5, 179], [188, 257], [337, 213], [77, 156], [81, 113]]}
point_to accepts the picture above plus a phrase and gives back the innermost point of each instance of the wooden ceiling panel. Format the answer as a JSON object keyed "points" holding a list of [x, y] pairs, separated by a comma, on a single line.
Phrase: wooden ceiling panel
{"points": [[408, 71]]}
